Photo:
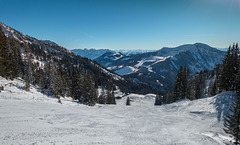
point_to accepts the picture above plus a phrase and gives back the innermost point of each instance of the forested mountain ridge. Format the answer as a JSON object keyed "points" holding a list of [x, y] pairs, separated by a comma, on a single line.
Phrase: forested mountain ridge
{"points": [[58, 71]]}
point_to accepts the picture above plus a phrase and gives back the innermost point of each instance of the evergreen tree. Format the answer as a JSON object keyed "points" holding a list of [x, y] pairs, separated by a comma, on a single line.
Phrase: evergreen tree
{"points": [[27, 83], [6, 62], [238, 83], [181, 84], [178, 85], [41, 82], [214, 88], [102, 97], [46, 76], [77, 85], [110, 99], [230, 68], [57, 81], [200, 84], [128, 103], [158, 100], [232, 121], [113, 97], [91, 97]]}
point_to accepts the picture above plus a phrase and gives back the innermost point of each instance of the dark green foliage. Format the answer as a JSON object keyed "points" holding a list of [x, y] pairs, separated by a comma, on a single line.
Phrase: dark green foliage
{"points": [[41, 82], [78, 85], [7, 60], [181, 84], [158, 100], [102, 97], [113, 97], [110, 99], [90, 91], [27, 84], [195, 88], [232, 121], [214, 88], [230, 68], [128, 103], [109, 95]]}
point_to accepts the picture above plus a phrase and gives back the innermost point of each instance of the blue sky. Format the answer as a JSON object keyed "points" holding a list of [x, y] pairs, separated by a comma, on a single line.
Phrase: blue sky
{"points": [[125, 24]]}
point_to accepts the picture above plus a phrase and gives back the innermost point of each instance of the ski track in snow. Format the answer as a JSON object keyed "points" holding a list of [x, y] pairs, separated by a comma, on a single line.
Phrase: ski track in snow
{"points": [[33, 118]]}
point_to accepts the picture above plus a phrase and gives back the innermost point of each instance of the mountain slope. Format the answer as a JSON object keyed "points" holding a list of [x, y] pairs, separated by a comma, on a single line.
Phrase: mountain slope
{"points": [[159, 68], [40, 119], [52, 66]]}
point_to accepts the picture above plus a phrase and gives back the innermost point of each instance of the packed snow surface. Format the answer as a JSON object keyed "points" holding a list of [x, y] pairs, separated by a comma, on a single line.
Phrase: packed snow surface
{"points": [[33, 118]]}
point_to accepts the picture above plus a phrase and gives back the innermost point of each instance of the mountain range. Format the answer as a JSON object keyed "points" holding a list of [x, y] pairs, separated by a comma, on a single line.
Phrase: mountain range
{"points": [[159, 68], [95, 53]]}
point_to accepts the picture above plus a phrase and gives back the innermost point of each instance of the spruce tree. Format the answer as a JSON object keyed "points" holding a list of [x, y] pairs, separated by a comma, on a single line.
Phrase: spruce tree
{"points": [[232, 121], [102, 97], [41, 82], [181, 84], [89, 95], [238, 83], [230, 68], [113, 97], [109, 95], [6, 64], [178, 85], [27, 83], [77, 85], [213, 91], [158, 100], [128, 103]]}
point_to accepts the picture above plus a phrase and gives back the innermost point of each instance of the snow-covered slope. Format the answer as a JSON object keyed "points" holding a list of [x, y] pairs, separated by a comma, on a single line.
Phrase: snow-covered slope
{"points": [[159, 68], [33, 118]]}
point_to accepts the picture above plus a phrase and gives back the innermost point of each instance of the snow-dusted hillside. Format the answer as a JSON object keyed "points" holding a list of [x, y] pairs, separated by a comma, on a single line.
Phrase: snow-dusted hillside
{"points": [[33, 118]]}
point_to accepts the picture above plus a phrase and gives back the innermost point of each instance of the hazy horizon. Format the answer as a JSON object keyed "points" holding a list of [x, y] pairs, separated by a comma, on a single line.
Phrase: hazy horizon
{"points": [[126, 24]]}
